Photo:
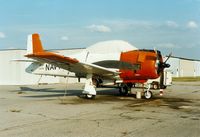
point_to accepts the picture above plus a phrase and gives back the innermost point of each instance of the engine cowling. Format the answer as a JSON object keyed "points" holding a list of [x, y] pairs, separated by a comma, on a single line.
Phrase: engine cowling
{"points": [[147, 62]]}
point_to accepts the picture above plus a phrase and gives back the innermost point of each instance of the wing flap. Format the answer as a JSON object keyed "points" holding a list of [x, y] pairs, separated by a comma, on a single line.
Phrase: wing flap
{"points": [[98, 70]]}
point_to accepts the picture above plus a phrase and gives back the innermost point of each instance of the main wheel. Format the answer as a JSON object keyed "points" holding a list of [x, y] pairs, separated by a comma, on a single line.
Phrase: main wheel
{"points": [[123, 90], [89, 96], [155, 86], [95, 82], [148, 94]]}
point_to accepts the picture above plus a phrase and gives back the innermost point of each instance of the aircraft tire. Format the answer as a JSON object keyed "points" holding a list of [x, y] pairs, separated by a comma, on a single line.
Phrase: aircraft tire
{"points": [[148, 95], [123, 90], [89, 96], [155, 86]]}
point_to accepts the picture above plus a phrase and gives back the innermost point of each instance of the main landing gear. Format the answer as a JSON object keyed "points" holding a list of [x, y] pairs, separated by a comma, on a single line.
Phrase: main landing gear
{"points": [[123, 89], [89, 89], [89, 96]]}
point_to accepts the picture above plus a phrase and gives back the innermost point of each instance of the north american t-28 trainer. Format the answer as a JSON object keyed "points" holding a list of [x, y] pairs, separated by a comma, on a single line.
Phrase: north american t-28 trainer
{"points": [[113, 61]]}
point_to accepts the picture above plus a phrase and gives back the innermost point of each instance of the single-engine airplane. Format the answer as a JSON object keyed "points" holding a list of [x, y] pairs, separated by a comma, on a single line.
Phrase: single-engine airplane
{"points": [[123, 65]]}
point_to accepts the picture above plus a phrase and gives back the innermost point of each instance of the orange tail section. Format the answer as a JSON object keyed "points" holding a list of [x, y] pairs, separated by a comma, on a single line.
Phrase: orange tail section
{"points": [[34, 44]]}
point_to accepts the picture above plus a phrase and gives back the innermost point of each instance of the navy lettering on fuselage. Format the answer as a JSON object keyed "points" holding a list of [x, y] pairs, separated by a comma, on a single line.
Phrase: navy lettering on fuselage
{"points": [[50, 67]]}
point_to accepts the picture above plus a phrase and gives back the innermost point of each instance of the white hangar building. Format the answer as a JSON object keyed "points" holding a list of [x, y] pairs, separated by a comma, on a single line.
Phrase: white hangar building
{"points": [[13, 73], [183, 67]]}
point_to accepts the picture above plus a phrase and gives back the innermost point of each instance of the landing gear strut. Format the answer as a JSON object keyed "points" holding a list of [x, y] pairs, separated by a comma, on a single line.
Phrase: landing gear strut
{"points": [[89, 89]]}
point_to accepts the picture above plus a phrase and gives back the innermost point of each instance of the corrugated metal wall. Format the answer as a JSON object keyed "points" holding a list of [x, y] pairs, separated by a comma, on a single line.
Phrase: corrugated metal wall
{"points": [[174, 62], [197, 68], [184, 68], [187, 68]]}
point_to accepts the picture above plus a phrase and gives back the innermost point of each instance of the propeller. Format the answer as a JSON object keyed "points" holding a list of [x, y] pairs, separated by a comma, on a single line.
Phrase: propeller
{"points": [[161, 66], [170, 54]]}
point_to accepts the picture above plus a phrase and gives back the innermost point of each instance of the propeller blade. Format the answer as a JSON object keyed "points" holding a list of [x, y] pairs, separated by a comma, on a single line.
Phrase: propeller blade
{"points": [[161, 79], [168, 57], [162, 86], [163, 66]]}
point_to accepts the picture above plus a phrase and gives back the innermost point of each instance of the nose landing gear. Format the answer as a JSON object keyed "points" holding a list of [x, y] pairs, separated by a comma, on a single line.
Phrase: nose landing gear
{"points": [[125, 88], [148, 94]]}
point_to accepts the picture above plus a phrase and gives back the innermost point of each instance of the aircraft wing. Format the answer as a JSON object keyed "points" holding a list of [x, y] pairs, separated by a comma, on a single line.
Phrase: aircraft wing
{"points": [[35, 51], [71, 64]]}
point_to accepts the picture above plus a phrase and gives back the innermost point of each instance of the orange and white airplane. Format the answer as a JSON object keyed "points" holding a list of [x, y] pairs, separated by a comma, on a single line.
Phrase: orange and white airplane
{"points": [[120, 63]]}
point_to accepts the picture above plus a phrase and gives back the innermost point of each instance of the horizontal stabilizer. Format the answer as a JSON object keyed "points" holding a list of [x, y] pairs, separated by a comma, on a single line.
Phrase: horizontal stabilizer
{"points": [[24, 60]]}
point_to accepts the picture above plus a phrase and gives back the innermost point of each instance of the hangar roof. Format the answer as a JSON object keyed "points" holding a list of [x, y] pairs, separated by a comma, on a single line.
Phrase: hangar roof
{"points": [[113, 46]]}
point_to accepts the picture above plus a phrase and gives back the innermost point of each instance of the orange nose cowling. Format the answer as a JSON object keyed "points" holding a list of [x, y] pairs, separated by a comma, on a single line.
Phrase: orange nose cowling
{"points": [[147, 70]]}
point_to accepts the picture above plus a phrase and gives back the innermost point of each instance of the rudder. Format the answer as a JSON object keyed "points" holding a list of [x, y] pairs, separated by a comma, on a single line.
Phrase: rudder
{"points": [[34, 44]]}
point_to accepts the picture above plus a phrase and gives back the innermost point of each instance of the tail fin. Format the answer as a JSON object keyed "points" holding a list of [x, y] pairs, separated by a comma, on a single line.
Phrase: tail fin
{"points": [[34, 44]]}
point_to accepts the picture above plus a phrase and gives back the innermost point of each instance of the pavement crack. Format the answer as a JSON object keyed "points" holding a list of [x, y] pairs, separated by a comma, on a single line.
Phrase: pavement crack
{"points": [[22, 125]]}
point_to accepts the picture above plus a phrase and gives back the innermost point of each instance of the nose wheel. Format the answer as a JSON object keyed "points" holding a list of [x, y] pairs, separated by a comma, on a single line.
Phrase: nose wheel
{"points": [[124, 88], [148, 94]]}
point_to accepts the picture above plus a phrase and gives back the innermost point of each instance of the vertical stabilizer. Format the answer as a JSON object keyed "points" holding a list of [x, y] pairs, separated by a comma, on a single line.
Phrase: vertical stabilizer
{"points": [[34, 44]]}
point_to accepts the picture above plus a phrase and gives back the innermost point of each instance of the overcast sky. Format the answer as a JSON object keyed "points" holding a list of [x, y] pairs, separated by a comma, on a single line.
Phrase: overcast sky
{"points": [[167, 25]]}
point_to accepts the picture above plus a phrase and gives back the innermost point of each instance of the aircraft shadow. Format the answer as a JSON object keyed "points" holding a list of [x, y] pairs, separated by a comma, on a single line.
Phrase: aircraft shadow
{"points": [[108, 94], [51, 92]]}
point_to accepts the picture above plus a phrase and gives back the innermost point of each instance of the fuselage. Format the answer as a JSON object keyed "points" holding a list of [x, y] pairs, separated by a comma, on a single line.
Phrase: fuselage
{"points": [[129, 64], [133, 65]]}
